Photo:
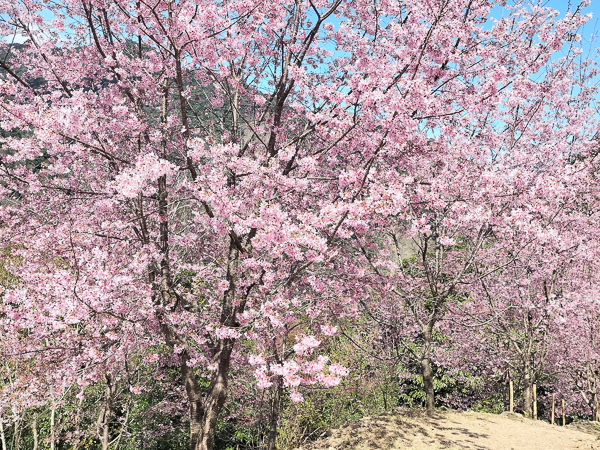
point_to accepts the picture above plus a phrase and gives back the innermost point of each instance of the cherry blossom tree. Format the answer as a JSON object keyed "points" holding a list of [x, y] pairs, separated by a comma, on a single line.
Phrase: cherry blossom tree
{"points": [[464, 188], [197, 174], [531, 271], [573, 350]]}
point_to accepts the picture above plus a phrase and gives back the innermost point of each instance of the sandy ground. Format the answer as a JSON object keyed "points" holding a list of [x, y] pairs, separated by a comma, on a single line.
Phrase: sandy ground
{"points": [[455, 430]]}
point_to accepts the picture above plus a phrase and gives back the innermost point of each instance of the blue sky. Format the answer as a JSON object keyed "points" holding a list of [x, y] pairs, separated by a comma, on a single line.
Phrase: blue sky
{"points": [[592, 27], [591, 31], [562, 5]]}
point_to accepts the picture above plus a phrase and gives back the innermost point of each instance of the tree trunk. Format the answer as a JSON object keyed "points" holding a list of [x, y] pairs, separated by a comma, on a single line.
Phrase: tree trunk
{"points": [[77, 442], [426, 370], [594, 390], [196, 409], [192, 388], [274, 413], [34, 431], [204, 420], [17, 436], [528, 380], [108, 410], [103, 422], [52, 431], [204, 409], [528, 397], [428, 385], [384, 395], [2, 435]]}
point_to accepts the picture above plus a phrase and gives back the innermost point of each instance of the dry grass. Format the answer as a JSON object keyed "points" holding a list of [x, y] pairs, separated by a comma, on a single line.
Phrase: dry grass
{"points": [[453, 431]]}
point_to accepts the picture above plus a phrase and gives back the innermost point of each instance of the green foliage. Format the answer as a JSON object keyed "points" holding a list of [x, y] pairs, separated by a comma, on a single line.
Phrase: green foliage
{"points": [[7, 279], [494, 405], [376, 384], [324, 409], [236, 435]]}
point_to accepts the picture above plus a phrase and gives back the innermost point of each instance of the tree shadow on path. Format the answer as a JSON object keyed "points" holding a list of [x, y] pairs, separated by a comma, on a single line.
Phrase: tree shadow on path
{"points": [[412, 429]]}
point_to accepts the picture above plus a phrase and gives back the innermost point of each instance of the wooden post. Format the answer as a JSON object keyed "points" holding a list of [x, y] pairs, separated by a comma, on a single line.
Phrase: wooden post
{"points": [[563, 411], [553, 409], [511, 395], [534, 402]]}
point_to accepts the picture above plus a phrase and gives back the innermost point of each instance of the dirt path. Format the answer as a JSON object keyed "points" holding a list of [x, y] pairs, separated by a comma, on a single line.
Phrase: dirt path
{"points": [[454, 431]]}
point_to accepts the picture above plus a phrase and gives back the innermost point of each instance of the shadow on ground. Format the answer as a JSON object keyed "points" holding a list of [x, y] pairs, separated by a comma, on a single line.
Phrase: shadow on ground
{"points": [[394, 431]]}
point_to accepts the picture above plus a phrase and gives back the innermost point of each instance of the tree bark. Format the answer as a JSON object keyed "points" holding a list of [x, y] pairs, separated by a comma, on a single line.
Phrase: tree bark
{"points": [[427, 373], [34, 431], [2, 435], [108, 410], [204, 422], [52, 431], [528, 398], [426, 370], [592, 383], [17, 436], [205, 406], [103, 423], [275, 413]]}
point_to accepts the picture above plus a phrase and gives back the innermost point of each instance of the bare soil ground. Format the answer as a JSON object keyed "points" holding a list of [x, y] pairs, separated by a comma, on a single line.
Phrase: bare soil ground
{"points": [[457, 430]]}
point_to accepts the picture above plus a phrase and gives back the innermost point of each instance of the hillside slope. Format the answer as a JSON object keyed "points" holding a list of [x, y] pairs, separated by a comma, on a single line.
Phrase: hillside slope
{"points": [[453, 431]]}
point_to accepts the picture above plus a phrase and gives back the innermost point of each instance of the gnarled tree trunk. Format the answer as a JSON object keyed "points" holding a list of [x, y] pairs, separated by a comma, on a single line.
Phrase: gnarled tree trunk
{"points": [[203, 430], [205, 406]]}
